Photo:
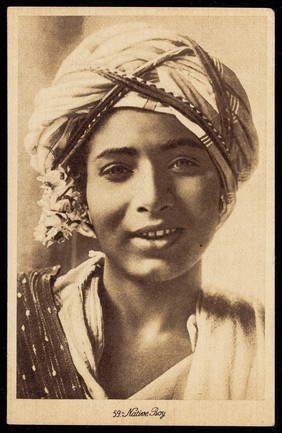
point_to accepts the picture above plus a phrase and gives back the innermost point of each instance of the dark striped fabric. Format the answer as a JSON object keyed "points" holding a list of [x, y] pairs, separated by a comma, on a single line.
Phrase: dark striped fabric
{"points": [[44, 364]]}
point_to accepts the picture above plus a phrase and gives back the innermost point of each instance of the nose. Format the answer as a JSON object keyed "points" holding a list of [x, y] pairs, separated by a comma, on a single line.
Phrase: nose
{"points": [[154, 193]]}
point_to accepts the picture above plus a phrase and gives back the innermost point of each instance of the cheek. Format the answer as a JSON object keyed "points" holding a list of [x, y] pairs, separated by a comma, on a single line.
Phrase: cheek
{"points": [[106, 207], [201, 196], [210, 194]]}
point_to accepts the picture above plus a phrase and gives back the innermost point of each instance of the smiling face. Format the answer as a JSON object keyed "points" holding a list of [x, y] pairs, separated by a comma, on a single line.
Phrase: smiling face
{"points": [[153, 194]]}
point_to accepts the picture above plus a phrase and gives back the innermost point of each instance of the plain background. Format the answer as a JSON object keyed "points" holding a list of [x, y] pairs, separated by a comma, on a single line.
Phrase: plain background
{"points": [[236, 258]]}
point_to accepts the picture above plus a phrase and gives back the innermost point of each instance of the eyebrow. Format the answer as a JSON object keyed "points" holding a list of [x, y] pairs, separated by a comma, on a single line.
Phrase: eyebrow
{"points": [[164, 147], [174, 143], [131, 151]]}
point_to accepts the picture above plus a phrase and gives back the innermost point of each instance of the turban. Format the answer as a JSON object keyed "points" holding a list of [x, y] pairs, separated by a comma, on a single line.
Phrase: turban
{"points": [[137, 65]]}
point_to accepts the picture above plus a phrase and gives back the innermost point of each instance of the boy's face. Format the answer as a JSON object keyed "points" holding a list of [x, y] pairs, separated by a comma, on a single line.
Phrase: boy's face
{"points": [[153, 194]]}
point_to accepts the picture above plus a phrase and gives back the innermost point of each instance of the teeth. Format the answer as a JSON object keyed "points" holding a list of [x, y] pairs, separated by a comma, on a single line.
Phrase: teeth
{"points": [[168, 231], [158, 233]]}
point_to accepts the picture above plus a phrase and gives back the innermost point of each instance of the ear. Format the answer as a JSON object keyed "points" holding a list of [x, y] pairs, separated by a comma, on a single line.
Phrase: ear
{"points": [[86, 229]]}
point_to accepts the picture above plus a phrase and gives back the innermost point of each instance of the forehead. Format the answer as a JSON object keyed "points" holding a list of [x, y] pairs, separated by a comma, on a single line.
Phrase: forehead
{"points": [[139, 128]]}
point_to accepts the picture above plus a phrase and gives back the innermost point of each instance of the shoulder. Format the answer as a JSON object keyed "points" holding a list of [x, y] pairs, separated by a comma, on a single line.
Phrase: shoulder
{"points": [[64, 286], [222, 306], [230, 347], [34, 287], [47, 281], [34, 298], [34, 275]]}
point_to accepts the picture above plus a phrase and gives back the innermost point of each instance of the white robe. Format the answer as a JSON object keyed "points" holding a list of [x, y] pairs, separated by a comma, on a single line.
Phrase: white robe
{"points": [[226, 335]]}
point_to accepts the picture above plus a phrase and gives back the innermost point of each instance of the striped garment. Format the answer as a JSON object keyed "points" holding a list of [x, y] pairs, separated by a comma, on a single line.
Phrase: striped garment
{"points": [[44, 364]]}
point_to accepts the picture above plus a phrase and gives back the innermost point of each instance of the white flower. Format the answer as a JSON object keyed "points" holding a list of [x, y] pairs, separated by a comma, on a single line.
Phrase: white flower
{"points": [[62, 208]]}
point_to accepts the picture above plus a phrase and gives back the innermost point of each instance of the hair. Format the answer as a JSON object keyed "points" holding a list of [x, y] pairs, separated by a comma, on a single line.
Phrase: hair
{"points": [[78, 171], [78, 162]]}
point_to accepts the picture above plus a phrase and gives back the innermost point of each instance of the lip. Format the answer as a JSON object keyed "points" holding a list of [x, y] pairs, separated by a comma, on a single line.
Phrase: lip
{"points": [[154, 228], [151, 244]]}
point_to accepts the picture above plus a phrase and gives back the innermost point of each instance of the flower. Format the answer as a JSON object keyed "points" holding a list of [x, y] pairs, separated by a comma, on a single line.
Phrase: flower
{"points": [[63, 209]]}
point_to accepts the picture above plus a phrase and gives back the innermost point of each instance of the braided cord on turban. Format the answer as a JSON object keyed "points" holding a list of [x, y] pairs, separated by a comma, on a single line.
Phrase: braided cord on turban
{"points": [[155, 64]]}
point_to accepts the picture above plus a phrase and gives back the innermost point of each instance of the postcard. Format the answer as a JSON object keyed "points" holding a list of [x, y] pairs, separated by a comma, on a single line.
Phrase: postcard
{"points": [[141, 216]]}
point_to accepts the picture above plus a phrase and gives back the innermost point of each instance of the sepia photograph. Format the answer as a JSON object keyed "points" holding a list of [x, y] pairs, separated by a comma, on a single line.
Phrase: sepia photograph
{"points": [[141, 216]]}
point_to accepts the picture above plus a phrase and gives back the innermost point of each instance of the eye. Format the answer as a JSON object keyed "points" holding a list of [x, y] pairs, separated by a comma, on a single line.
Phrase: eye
{"points": [[116, 172], [183, 164]]}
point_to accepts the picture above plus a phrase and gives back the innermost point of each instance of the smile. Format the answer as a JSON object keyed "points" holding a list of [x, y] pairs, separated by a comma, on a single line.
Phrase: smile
{"points": [[158, 234], [150, 240]]}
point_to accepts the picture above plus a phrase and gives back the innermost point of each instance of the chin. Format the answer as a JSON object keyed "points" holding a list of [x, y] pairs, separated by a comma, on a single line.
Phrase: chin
{"points": [[156, 270]]}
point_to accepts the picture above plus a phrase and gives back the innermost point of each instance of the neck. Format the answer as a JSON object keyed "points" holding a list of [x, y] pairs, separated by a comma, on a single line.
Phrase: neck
{"points": [[165, 304]]}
